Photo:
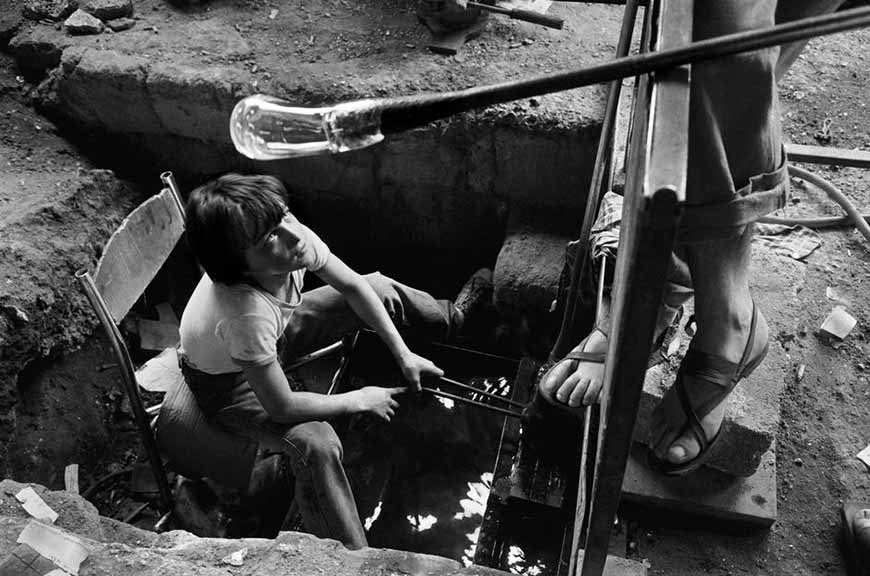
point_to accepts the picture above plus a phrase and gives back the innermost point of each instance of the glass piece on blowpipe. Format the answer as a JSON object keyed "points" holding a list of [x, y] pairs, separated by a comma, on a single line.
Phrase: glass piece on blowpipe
{"points": [[267, 128]]}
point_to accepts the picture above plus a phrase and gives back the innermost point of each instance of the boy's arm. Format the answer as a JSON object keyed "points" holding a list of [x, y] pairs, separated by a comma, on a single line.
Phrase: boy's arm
{"points": [[286, 406], [368, 306]]}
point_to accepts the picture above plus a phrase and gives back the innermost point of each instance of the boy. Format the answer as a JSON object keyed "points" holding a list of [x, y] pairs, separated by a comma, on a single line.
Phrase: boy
{"points": [[250, 303]]}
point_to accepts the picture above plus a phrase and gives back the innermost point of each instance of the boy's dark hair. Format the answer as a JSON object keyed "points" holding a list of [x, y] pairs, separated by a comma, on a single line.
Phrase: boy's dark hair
{"points": [[228, 215]]}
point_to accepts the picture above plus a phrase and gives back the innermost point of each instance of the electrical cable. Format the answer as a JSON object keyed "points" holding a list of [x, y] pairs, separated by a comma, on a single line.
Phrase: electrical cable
{"points": [[853, 216]]}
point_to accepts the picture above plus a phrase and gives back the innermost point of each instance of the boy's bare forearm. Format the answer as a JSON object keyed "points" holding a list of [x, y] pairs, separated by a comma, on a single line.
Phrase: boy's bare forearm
{"points": [[310, 406], [365, 302], [283, 405]]}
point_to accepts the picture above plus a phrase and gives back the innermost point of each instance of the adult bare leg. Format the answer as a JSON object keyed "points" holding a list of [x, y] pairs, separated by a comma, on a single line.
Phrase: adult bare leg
{"points": [[723, 314]]}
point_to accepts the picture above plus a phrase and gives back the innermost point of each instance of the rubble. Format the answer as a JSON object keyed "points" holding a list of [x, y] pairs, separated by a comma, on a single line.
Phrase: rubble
{"points": [[82, 23]]}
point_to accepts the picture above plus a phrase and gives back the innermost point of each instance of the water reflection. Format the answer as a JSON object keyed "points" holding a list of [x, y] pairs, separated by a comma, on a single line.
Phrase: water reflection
{"points": [[422, 481]]}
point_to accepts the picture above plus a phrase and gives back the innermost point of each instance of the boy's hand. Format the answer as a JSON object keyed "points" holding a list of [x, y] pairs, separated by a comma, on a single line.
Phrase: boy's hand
{"points": [[379, 401], [414, 366]]}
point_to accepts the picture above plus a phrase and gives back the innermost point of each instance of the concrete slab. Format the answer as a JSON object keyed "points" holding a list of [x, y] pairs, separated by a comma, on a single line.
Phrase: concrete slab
{"points": [[708, 493]]}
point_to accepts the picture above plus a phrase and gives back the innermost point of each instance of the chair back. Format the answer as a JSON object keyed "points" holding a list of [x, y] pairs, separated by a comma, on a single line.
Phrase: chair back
{"points": [[131, 258], [136, 251]]}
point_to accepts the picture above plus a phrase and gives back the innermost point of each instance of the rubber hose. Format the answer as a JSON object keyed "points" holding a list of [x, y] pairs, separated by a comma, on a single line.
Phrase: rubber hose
{"points": [[852, 215]]}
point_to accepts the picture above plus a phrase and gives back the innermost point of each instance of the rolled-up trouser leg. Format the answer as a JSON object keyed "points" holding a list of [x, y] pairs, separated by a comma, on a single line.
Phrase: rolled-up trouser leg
{"points": [[325, 316], [736, 170]]}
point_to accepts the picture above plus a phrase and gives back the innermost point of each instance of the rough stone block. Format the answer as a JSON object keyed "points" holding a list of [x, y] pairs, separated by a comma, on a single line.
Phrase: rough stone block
{"points": [[80, 23], [108, 9], [526, 274], [49, 9], [120, 24]]}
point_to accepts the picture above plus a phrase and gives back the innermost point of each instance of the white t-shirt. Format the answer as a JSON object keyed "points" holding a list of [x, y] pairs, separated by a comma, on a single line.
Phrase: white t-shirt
{"points": [[226, 327]]}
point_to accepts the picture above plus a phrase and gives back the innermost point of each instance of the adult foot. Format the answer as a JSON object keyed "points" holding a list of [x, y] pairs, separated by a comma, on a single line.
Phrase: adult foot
{"points": [[689, 417], [576, 379]]}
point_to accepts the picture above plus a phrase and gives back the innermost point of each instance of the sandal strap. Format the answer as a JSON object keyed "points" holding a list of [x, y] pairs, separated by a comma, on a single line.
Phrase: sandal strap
{"points": [[717, 370], [597, 357], [693, 421], [581, 355]]}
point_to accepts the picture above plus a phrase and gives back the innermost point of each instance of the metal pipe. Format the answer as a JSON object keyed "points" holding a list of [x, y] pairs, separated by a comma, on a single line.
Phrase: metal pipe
{"points": [[169, 181], [471, 402], [601, 176], [403, 113], [481, 392], [316, 355], [128, 377]]}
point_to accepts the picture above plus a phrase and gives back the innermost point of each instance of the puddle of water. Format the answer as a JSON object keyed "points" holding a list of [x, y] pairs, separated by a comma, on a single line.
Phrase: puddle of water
{"points": [[423, 480]]}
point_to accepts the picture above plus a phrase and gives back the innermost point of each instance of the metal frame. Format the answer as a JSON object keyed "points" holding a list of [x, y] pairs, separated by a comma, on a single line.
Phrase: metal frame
{"points": [[125, 363], [654, 194]]}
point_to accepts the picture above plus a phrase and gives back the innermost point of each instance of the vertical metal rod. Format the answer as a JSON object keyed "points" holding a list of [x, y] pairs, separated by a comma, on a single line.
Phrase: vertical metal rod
{"points": [[128, 377], [567, 332], [169, 181], [585, 456]]}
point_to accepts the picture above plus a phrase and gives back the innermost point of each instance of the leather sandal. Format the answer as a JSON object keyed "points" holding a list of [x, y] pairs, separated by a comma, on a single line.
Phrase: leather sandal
{"points": [[716, 370], [579, 354], [856, 536]]}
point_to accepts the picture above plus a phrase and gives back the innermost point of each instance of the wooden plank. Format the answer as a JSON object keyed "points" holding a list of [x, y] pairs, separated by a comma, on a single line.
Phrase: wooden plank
{"points": [[136, 251], [747, 503], [828, 156]]}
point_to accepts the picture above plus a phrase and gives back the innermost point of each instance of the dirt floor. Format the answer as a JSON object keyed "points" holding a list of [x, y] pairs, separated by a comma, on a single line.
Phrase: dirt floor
{"points": [[825, 409]]}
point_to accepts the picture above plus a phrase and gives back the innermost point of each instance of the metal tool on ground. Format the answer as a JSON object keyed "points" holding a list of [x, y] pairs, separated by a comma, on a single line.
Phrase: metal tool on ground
{"points": [[524, 15], [266, 128]]}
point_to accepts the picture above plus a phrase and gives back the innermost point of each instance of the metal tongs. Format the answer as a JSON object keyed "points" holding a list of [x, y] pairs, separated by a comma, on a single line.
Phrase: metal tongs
{"points": [[511, 408]]}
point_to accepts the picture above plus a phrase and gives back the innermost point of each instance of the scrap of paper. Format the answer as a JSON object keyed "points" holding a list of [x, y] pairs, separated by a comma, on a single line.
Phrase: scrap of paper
{"points": [[64, 550], [161, 373], [35, 505], [71, 478], [839, 323], [864, 456], [57, 572]]}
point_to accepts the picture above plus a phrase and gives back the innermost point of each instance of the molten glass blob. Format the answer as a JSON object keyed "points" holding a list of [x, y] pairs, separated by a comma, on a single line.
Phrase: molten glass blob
{"points": [[267, 128]]}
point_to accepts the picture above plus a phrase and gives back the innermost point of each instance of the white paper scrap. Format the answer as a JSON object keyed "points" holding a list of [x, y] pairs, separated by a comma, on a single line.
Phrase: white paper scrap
{"points": [[35, 505], [864, 456], [237, 558], [161, 373], [71, 478], [839, 323], [63, 549], [57, 572]]}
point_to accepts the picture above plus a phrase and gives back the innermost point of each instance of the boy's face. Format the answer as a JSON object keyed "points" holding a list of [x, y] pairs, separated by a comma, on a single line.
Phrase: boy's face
{"points": [[281, 251]]}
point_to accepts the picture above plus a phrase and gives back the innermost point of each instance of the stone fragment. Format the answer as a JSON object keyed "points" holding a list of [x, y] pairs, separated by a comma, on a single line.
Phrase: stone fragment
{"points": [[54, 10], [119, 24], [108, 9], [81, 23]]}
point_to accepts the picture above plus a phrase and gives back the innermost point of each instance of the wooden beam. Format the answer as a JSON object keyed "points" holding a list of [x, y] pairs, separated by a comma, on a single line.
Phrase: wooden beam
{"points": [[828, 156]]}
